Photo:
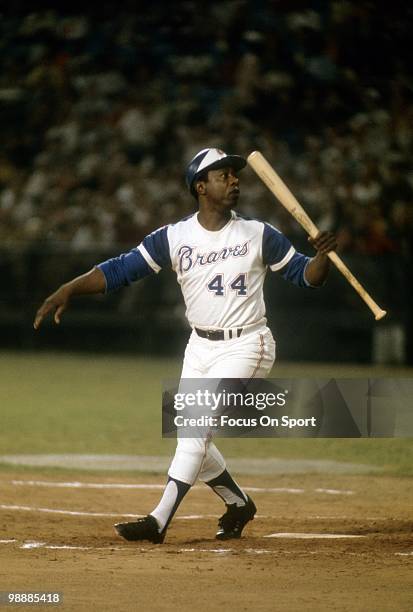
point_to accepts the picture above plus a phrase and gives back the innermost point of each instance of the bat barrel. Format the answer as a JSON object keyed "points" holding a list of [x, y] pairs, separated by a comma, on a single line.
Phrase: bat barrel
{"points": [[277, 186]]}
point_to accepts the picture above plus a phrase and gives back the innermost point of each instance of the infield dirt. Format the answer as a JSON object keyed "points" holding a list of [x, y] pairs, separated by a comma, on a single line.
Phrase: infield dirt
{"points": [[192, 570]]}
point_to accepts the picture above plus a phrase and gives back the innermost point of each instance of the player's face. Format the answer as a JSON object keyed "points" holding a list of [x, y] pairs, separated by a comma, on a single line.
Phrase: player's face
{"points": [[222, 187]]}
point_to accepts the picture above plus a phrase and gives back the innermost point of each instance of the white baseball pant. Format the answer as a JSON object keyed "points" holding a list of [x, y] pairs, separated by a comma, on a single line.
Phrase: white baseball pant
{"points": [[250, 356]]}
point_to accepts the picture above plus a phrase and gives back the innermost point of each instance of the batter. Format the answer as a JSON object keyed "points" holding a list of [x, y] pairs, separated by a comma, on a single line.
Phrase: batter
{"points": [[220, 259]]}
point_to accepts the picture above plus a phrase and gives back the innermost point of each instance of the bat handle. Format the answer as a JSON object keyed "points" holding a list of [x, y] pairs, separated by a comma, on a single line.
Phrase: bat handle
{"points": [[378, 312]]}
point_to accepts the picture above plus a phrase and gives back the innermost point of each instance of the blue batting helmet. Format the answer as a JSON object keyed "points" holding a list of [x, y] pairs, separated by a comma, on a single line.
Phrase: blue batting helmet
{"points": [[210, 159]]}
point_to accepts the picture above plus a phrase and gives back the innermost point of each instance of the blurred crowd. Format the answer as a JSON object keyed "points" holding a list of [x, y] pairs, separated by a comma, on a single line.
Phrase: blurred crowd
{"points": [[100, 113]]}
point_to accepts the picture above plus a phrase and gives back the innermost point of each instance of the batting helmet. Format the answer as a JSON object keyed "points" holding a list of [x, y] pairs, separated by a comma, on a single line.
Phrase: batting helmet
{"points": [[210, 159]]}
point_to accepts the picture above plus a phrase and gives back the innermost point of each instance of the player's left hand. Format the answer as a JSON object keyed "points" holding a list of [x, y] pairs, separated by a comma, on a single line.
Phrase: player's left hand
{"points": [[324, 242]]}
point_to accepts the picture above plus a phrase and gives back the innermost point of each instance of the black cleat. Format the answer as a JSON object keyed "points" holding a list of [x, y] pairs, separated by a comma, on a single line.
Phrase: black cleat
{"points": [[234, 520], [143, 529]]}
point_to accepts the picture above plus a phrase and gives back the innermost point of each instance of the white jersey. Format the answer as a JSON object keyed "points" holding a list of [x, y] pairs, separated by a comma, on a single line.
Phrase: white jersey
{"points": [[221, 273]]}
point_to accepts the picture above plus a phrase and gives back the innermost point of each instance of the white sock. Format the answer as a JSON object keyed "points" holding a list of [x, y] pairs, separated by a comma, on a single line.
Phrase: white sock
{"points": [[172, 496]]}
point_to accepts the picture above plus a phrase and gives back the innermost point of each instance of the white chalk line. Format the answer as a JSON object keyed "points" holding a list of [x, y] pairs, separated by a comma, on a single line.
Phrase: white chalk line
{"points": [[312, 536], [254, 551], [66, 512], [185, 517], [334, 492], [96, 485], [32, 544], [85, 485], [220, 551], [7, 541], [341, 517]]}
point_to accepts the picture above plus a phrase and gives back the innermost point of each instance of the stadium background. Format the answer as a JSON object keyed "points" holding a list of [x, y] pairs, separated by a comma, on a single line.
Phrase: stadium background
{"points": [[101, 111]]}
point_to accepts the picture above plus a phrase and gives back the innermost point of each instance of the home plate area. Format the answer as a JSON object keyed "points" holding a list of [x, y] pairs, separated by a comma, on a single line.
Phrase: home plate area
{"points": [[309, 511], [314, 539]]}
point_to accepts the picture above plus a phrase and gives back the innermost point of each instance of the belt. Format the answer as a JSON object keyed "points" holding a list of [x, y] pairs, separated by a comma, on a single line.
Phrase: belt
{"points": [[219, 334]]}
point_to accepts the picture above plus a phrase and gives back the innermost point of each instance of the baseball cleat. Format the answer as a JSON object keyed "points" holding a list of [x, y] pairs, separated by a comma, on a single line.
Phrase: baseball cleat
{"points": [[231, 524], [143, 529]]}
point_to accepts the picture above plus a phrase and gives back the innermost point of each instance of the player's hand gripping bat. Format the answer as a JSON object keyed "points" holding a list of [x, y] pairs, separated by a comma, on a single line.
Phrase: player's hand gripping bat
{"points": [[275, 184]]}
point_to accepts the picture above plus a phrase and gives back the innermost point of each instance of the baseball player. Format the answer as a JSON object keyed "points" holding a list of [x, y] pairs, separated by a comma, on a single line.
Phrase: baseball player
{"points": [[220, 259]]}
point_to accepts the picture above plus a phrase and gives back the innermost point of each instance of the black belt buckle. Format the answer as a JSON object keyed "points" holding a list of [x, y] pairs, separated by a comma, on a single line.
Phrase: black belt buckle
{"points": [[217, 334], [214, 334]]}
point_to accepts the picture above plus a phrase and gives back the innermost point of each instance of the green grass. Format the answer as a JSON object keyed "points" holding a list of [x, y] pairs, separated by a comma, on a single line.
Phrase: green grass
{"points": [[66, 403], [55, 403]]}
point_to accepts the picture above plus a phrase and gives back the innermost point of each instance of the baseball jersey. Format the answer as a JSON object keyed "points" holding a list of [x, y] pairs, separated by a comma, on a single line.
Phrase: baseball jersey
{"points": [[221, 273]]}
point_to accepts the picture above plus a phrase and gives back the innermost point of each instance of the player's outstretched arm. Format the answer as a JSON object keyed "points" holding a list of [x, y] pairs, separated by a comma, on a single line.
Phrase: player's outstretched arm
{"points": [[317, 270], [92, 282]]}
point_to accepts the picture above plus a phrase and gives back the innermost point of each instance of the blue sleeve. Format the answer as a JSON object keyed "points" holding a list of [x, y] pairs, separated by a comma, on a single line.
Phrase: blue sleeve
{"points": [[279, 254], [157, 246], [295, 269], [123, 270], [149, 257], [275, 246]]}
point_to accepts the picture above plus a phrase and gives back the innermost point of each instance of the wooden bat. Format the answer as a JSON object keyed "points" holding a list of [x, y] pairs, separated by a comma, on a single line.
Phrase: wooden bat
{"points": [[275, 184]]}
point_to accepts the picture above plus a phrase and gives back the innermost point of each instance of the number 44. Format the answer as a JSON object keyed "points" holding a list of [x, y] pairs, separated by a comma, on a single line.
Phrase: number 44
{"points": [[239, 285]]}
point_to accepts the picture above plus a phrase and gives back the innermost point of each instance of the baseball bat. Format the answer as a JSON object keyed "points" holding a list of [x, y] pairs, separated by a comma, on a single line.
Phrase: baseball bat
{"points": [[275, 184]]}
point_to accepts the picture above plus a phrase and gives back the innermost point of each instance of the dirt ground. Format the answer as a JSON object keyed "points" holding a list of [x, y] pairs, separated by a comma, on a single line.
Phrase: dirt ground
{"points": [[45, 548]]}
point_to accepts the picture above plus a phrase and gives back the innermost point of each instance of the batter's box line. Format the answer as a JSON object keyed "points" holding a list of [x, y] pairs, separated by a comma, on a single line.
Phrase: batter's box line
{"points": [[34, 544], [149, 486], [185, 517], [29, 545], [312, 536]]}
